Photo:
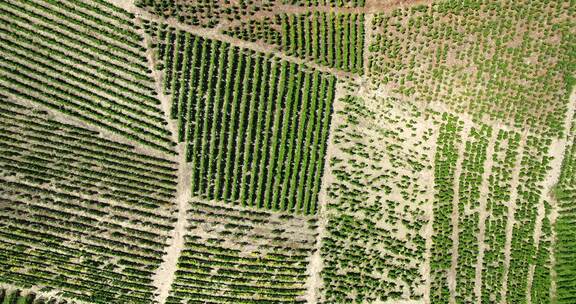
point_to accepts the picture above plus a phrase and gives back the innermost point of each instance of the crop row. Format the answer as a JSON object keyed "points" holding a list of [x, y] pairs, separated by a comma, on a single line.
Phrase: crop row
{"points": [[255, 128], [52, 57], [444, 175], [332, 39], [506, 153], [84, 215], [534, 166], [473, 167], [331, 3], [237, 255], [565, 249]]}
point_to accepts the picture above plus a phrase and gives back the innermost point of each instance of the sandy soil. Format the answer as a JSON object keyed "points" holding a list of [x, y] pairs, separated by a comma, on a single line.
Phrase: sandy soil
{"points": [[165, 274]]}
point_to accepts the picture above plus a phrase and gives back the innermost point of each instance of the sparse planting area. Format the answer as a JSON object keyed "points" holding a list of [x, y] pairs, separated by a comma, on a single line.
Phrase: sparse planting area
{"points": [[503, 60], [255, 127], [214, 13], [238, 255], [376, 202]]}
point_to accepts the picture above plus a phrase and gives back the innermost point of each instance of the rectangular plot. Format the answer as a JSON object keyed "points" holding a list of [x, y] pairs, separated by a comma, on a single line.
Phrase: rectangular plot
{"points": [[275, 127]]}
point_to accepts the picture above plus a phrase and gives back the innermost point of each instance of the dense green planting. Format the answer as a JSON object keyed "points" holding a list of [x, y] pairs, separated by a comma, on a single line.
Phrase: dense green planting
{"points": [[504, 157], [84, 59], [84, 215], [507, 60], [470, 181], [565, 251], [444, 174], [374, 244], [255, 128], [533, 169], [237, 255], [331, 39]]}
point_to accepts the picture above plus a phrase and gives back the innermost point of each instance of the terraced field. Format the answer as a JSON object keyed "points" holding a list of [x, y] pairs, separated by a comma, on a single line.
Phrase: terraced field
{"points": [[287, 151]]}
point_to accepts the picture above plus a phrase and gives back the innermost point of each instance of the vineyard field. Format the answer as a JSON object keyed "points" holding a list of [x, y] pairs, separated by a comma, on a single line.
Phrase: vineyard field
{"points": [[287, 151]]}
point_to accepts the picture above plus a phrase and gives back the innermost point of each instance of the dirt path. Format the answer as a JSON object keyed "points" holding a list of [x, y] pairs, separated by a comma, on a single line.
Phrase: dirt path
{"points": [[165, 274], [483, 214], [510, 216], [455, 212], [368, 33]]}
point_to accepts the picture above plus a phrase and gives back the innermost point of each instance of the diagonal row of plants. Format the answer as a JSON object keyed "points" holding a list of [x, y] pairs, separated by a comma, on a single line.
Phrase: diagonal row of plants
{"points": [[255, 128], [85, 60]]}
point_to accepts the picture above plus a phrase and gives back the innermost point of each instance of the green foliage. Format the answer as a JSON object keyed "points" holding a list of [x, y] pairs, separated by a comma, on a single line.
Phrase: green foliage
{"points": [[251, 123], [331, 39]]}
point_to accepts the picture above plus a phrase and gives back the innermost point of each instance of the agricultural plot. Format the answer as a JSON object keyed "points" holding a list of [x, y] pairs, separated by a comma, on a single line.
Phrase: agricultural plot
{"points": [[238, 255], [377, 202], [331, 39], [255, 127], [287, 151], [52, 57], [81, 215], [501, 61]]}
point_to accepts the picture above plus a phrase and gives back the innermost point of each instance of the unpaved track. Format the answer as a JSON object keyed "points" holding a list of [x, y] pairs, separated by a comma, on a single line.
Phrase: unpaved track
{"points": [[483, 214], [165, 274], [428, 177]]}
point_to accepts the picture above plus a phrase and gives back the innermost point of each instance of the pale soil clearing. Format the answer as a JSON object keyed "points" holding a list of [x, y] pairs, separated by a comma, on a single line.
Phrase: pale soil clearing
{"points": [[413, 138], [483, 214], [510, 216], [166, 273]]}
